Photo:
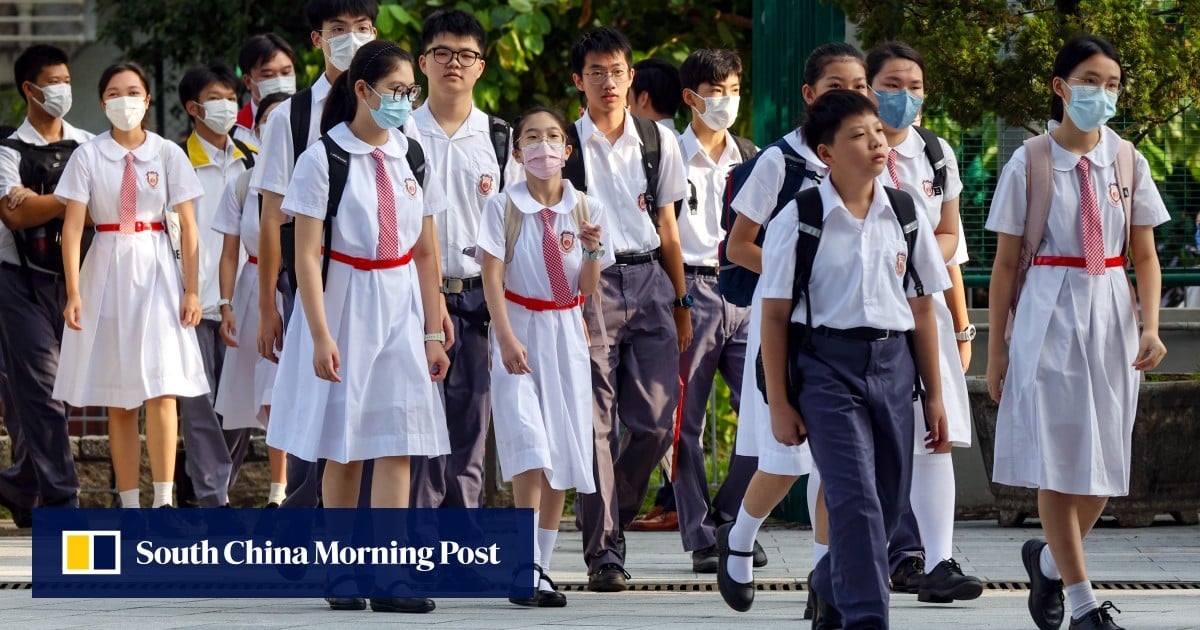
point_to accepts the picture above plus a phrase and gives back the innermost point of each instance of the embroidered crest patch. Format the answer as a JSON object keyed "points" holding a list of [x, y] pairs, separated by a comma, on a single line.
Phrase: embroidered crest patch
{"points": [[152, 179], [485, 184], [566, 241], [642, 202], [1114, 194], [901, 260], [410, 187], [928, 186]]}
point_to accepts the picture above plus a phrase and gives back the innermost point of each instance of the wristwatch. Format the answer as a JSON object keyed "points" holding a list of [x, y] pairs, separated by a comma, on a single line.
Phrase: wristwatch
{"points": [[223, 302], [684, 302], [439, 337], [595, 254], [968, 333]]}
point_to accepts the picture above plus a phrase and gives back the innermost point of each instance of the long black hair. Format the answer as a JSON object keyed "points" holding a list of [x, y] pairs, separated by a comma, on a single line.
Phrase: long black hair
{"points": [[374, 61], [1077, 50]]}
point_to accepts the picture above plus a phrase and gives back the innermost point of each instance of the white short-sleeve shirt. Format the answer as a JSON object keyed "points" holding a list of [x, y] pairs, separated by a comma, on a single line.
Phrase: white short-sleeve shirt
{"points": [[858, 272], [700, 230], [10, 176], [916, 179], [274, 167], [757, 197], [238, 217], [615, 177], [215, 168]]}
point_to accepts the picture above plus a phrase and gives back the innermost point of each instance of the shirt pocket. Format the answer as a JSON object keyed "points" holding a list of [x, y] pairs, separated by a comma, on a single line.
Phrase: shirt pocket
{"points": [[891, 260], [484, 178]]}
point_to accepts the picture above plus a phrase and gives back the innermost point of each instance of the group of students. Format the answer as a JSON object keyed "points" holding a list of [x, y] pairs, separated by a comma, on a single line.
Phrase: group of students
{"points": [[453, 270]]}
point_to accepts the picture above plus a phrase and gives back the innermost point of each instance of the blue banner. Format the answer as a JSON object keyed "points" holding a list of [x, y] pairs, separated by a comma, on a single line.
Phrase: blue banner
{"points": [[283, 553]]}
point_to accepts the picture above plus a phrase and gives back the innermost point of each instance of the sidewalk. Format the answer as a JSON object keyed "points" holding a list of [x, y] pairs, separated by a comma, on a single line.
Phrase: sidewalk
{"points": [[1161, 564]]}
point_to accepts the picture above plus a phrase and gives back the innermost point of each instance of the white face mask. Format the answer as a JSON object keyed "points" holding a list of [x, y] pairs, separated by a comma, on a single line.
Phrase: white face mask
{"points": [[219, 115], [719, 111], [56, 99], [283, 84], [125, 112], [343, 47]]}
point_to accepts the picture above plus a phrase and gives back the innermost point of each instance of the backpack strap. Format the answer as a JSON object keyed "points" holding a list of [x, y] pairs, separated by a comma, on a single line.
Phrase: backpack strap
{"points": [[936, 157], [301, 118], [745, 147], [416, 160], [339, 173], [811, 214], [1039, 192], [795, 170], [647, 131], [512, 228], [501, 138], [574, 171], [905, 210], [1126, 181], [248, 152]]}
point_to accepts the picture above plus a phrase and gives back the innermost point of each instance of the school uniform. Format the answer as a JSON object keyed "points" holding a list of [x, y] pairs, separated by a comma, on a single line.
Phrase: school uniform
{"points": [[243, 128], [31, 325], [386, 405], [756, 201], [1070, 395], [632, 334], [543, 420], [719, 334], [471, 176], [132, 347], [856, 398]]}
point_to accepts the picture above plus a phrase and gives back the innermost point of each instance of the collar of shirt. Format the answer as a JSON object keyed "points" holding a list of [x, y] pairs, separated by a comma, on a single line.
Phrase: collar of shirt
{"points": [[115, 152], [26, 133], [831, 200], [320, 89], [912, 146], [524, 201], [1103, 154], [202, 153], [588, 130], [690, 145], [396, 146], [796, 139], [476, 123]]}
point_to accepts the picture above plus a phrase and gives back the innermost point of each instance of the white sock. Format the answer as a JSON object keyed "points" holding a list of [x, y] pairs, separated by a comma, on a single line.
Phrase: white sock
{"points": [[1081, 598], [276, 493], [537, 556], [1047, 566], [162, 492], [131, 498], [932, 499], [545, 544], [814, 486], [741, 538], [819, 551]]}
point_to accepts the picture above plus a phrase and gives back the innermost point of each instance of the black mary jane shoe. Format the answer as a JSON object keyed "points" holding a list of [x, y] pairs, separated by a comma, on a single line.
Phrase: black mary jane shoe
{"points": [[402, 604], [521, 576], [551, 598], [343, 602], [737, 595]]}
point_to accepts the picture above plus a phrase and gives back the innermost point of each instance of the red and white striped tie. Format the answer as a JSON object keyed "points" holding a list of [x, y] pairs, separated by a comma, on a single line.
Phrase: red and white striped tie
{"points": [[127, 213], [388, 247], [892, 171], [553, 257], [1089, 219]]}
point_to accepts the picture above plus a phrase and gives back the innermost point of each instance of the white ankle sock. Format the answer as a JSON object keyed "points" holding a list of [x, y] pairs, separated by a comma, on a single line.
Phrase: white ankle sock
{"points": [[932, 499], [276, 493], [537, 556], [545, 544], [131, 498], [741, 538], [819, 551], [162, 492], [1047, 566], [1081, 598]]}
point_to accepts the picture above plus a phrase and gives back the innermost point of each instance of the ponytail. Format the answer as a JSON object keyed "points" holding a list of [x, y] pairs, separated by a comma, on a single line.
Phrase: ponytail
{"points": [[374, 61], [340, 105]]}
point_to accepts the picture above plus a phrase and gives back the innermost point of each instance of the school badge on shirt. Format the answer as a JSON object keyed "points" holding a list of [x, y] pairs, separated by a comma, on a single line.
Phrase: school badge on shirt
{"points": [[1114, 194], [928, 186], [152, 179], [485, 184], [642, 202], [410, 187], [901, 259], [566, 241]]}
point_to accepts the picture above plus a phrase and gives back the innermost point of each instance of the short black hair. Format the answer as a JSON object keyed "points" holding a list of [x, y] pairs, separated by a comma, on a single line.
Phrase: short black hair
{"points": [[454, 22], [260, 49], [35, 59], [886, 51], [708, 65], [320, 11], [661, 80], [118, 68], [601, 40], [825, 54], [826, 114], [199, 77], [265, 104]]}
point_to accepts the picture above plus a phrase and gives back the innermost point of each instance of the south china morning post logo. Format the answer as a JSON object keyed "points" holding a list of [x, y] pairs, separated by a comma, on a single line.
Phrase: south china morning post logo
{"points": [[91, 553]]}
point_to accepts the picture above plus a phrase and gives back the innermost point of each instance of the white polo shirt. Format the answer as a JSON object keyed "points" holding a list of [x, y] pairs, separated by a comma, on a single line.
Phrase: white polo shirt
{"points": [[273, 171], [700, 230], [858, 273], [916, 179], [215, 168], [615, 177], [10, 176], [756, 199]]}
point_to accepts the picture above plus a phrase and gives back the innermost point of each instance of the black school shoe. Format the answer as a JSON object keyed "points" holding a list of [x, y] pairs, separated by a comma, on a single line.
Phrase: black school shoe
{"points": [[1098, 619], [551, 598], [705, 560], [402, 604], [811, 604], [609, 578], [825, 616], [907, 577], [947, 583], [346, 603], [1045, 594], [737, 595], [760, 556]]}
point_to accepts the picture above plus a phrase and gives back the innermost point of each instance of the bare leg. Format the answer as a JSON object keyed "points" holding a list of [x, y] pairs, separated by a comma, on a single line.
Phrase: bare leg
{"points": [[339, 485], [820, 520], [276, 458], [162, 437], [765, 492], [527, 489], [1061, 523], [389, 483], [124, 446]]}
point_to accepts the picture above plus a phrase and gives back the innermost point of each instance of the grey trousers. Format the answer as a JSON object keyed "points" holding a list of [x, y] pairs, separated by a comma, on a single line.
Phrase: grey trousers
{"points": [[635, 382], [208, 462]]}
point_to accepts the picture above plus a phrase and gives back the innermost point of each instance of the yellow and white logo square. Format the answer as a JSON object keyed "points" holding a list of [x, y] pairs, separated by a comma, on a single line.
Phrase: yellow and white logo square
{"points": [[91, 552]]}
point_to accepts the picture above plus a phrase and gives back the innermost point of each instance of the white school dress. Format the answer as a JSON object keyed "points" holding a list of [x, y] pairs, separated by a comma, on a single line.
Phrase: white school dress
{"points": [[132, 347], [756, 200], [246, 378], [1070, 395], [916, 179], [386, 404], [544, 419]]}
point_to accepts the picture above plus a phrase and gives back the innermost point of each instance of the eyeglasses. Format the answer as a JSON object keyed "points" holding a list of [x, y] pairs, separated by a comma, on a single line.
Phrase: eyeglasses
{"points": [[555, 138], [411, 91], [337, 31], [465, 58], [598, 77], [1111, 87]]}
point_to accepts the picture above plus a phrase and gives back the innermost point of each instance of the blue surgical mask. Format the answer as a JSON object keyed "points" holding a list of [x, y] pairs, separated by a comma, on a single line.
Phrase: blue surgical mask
{"points": [[1091, 106], [391, 114], [899, 110]]}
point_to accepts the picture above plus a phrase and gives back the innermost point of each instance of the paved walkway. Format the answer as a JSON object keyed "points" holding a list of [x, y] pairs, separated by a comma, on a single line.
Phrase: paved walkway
{"points": [[1166, 555]]}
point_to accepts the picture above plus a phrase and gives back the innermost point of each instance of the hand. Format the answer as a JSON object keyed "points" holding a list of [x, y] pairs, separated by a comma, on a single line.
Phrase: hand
{"points": [[683, 326], [447, 325], [997, 369], [229, 327], [964, 355], [787, 426], [439, 363], [270, 334], [935, 421], [72, 312], [514, 356], [1150, 352], [589, 235], [190, 311], [18, 196], [326, 360]]}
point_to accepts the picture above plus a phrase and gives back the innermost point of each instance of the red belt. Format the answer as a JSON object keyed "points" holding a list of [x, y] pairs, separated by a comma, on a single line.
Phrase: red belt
{"points": [[1072, 261], [138, 226], [370, 264], [541, 305], [253, 260]]}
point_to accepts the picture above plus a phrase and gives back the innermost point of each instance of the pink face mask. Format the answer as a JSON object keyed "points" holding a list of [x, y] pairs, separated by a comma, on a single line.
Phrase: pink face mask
{"points": [[543, 160]]}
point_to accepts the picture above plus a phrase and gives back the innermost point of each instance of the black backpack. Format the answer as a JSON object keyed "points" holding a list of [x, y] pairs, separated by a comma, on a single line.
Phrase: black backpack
{"points": [[937, 159], [812, 221], [41, 168], [339, 173], [747, 150], [647, 130]]}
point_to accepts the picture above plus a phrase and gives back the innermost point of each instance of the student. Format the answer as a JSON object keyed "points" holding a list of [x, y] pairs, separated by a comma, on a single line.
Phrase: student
{"points": [[340, 27], [1067, 382], [851, 362], [542, 395], [471, 150], [360, 327], [244, 393], [268, 66], [129, 317], [209, 96], [639, 320], [43, 471], [830, 66], [924, 538]]}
